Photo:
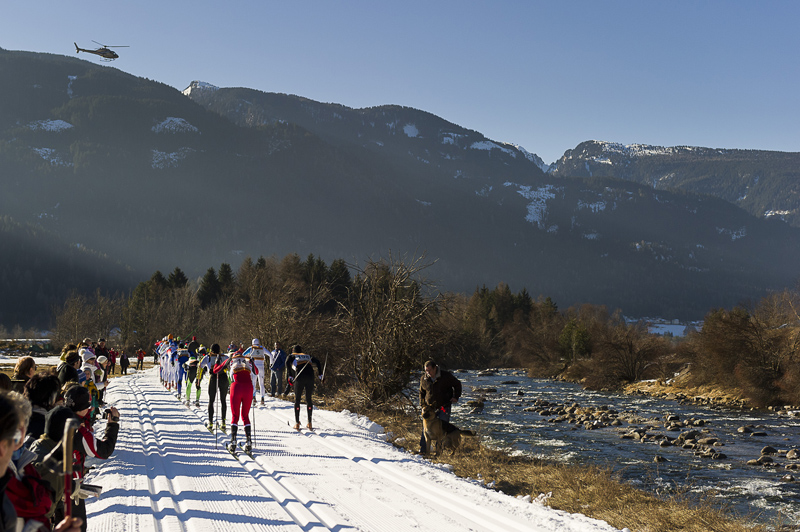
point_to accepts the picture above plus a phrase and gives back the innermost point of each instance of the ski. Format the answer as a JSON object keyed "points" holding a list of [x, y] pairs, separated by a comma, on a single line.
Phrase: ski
{"points": [[301, 428], [248, 452], [223, 429], [232, 449]]}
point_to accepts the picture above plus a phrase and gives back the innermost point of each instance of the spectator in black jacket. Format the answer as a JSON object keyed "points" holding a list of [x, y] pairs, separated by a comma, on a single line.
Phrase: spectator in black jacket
{"points": [[42, 391], [68, 370]]}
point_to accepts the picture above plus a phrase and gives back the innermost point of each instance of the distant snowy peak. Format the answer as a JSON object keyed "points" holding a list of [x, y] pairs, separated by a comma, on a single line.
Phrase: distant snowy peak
{"points": [[532, 157], [199, 86], [597, 157], [641, 150]]}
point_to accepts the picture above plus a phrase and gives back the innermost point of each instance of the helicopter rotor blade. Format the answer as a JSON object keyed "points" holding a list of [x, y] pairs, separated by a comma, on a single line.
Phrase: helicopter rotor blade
{"points": [[109, 46]]}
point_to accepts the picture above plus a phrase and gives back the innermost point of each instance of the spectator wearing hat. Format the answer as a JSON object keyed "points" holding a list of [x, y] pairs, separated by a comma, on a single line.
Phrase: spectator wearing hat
{"points": [[86, 444], [50, 467], [440, 389], [104, 364], [101, 350]]}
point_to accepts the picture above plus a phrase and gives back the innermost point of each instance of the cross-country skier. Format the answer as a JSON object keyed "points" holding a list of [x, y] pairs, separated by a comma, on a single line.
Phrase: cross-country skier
{"points": [[257, 355], [303, 381], [217, 381], [191, 375], [241, 397], [181, 358], [277, 363]]}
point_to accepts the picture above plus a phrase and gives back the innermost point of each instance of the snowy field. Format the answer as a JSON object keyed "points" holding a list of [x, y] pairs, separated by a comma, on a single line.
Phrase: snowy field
{"points": [[170, 473]]}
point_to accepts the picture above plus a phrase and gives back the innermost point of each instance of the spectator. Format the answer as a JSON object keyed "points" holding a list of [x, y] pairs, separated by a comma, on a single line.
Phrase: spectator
{"points": [[23, 371], [10, 439], [48, 442], [86, 444], [68, 369], [123, 362], [104, 364], [26, 490], [440, 389], [112, 361], [140, 358], [101, 350], [42, 391]]}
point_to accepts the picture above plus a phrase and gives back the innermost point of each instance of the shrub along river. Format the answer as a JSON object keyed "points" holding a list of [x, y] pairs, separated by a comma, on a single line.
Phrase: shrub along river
{"points": [[659, 445]]}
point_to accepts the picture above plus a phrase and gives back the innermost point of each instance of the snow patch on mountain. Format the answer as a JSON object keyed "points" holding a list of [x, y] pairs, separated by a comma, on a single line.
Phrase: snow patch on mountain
{"points": [[537, 208], [488, 145], [199, 86], [50, 155], [69, 85], [162, 160], [781, 214], [734, 234], [411, 130], [49, 125], [451, 138], [595, 207], [174, 125]]}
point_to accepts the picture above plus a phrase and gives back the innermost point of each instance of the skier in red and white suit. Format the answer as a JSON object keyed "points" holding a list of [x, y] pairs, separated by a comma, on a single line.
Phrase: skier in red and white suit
{"points": [[241, 396], [257, 354]]}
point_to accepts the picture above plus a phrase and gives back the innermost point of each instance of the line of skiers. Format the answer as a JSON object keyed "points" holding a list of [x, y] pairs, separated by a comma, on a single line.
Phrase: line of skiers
{"points": [[235, 375]]}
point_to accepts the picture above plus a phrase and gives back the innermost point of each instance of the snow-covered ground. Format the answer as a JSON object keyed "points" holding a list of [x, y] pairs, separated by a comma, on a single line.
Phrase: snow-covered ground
{"points": [[169, 473]]}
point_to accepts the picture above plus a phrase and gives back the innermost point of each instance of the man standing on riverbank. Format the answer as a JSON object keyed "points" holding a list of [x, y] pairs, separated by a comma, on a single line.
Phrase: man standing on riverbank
{"points": [[440, 389]]}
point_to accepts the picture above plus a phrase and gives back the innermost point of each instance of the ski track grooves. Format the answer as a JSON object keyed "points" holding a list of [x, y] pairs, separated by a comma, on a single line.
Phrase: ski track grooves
{"points": [[307, 513], [172, 474], [391, 473]]}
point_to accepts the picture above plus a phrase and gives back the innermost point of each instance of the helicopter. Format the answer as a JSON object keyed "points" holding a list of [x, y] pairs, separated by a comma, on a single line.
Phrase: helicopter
{"points": [[105, 52]]}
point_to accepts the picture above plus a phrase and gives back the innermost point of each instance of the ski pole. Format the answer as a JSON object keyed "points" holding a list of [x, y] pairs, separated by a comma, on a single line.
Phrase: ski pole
{"points": [[216, 392]]}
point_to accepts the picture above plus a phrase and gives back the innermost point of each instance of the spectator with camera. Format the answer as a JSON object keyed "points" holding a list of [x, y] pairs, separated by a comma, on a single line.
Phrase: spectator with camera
{"points": [[86, 444]]}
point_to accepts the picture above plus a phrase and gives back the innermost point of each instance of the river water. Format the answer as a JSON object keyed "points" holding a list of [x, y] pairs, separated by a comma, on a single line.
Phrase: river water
{"points": [[753, 491]]}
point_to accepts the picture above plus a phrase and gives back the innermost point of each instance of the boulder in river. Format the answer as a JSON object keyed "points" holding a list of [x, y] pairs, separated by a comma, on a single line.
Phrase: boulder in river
{"points": [[793, 454], [768, 451]]}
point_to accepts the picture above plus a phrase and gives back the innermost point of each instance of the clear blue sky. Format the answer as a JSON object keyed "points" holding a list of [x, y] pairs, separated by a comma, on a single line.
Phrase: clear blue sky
{"points": [[545, 75]]}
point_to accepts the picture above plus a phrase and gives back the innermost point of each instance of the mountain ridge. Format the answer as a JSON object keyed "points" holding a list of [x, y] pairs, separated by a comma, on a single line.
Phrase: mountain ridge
{"points": [[157, 179]]}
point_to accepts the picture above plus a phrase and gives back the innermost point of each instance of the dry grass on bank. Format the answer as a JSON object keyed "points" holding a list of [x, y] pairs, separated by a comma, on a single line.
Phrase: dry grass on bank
{"points": [[592, 491]]}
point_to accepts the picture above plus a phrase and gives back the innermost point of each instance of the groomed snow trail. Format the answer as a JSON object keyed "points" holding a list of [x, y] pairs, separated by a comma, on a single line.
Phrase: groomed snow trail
{"points": [[168, 472]]}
